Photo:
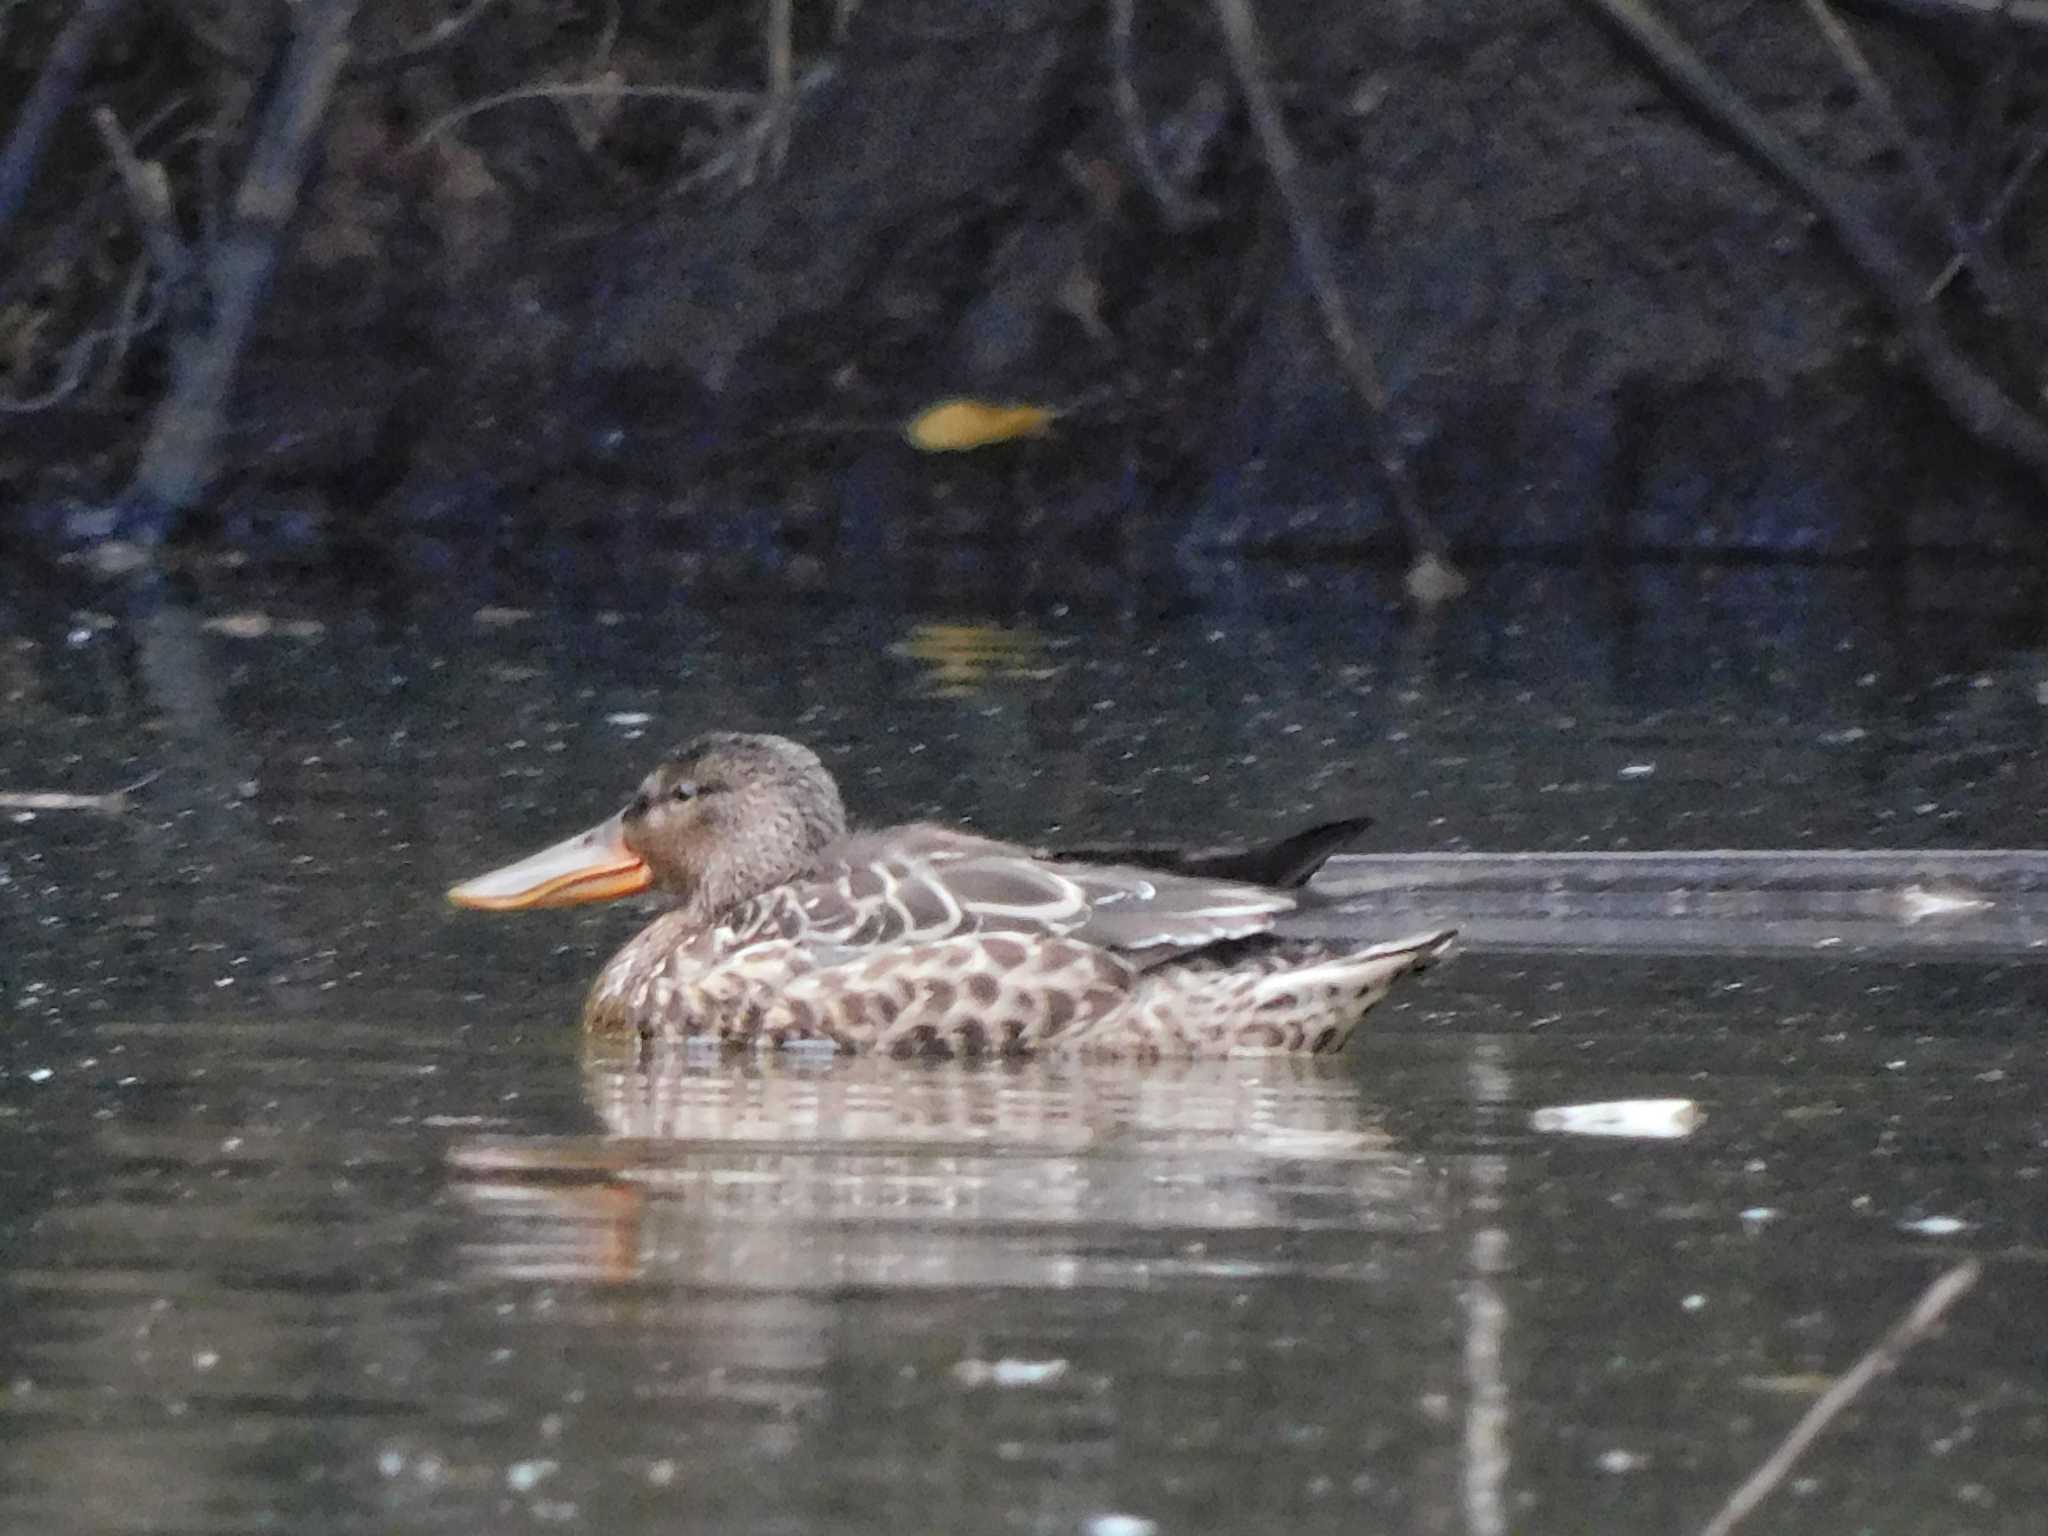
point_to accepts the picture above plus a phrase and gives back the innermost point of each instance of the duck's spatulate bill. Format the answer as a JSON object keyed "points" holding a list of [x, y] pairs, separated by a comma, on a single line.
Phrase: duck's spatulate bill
{"points": [[591, 866]]}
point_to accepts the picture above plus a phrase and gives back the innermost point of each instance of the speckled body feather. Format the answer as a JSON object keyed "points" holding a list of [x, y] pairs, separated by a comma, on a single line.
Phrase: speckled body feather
{"points": [[929, 940]]}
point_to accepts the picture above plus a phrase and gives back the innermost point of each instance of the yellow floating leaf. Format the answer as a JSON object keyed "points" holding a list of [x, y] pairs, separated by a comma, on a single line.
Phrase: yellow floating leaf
{"points": [[953, 426]]}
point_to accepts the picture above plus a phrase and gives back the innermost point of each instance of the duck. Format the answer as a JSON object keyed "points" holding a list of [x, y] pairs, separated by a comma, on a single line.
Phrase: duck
{"points": [[786, 926]]}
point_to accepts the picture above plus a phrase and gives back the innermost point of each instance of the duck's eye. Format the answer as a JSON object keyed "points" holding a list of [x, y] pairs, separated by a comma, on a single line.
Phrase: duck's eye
{"points": [[684, 789]]}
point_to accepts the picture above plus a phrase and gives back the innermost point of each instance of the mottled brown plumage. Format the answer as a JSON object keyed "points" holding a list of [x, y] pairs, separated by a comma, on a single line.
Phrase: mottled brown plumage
{"points": [[789, 928]]}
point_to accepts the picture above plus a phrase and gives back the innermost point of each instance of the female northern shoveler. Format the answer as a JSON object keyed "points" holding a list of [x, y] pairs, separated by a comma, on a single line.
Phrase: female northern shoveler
{"points": [[787, 927]]}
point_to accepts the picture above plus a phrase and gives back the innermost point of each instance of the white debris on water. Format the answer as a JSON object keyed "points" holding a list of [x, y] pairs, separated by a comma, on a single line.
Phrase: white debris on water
{"points": [[1637, 771], [257, 626], [1934, 1226], [1119, 1525], [1662, 1119], [525, 1476], [1008, 1373], [1917, 903], [629, 717]]}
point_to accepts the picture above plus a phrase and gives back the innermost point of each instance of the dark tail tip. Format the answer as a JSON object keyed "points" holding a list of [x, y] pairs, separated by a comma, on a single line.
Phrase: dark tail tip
{"points": [[1285, 865], [1291, 862]]}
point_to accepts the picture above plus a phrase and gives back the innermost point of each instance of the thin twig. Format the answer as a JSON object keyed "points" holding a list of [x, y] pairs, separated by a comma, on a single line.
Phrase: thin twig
{"points": [[701, 95], [91, 205], [781, 51], [740, 148], [403, 56], [77, 363], [587, 122], [129, 323], [47, 99], [1856, 64], [71, 373], [607, 38], [1178, 212], [1980, 406], [2016, 183], [440, 35], [2000, 205], [1882, 1356], [211, 40], [1984, 132], [768, 143], [1319, 266], [149, 198]]}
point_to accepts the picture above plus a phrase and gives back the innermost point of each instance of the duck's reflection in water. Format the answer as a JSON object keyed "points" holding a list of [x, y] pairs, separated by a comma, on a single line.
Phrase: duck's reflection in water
{"points": [[877, 1295], [781, 1174]]}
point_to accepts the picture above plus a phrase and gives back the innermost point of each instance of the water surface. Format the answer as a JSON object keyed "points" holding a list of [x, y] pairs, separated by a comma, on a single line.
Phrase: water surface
{"points": [[318, 1215]]}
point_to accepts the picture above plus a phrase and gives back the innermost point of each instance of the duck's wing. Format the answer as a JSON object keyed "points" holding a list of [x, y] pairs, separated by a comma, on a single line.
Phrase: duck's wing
{"points": [[1287, 864], [916, 884]]}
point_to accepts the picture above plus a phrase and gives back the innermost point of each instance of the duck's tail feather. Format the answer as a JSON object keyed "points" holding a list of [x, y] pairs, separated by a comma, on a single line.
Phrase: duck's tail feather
{"points": [[1258, 997]]}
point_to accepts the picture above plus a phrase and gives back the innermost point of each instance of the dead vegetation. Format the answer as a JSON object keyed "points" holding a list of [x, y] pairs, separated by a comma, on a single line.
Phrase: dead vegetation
{"points": [[163, 151]]}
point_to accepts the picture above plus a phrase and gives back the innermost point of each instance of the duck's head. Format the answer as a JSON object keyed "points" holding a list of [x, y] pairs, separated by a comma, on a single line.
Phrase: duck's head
{"points": [[724, 817]]}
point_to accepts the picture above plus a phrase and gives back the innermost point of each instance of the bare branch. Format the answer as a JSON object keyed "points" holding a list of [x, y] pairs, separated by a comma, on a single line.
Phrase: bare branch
{"points": [[178, 457], [1991, 276], [1319, 266], [46, 102], [438, 36], [768, 143], [1979, 405], [1984, 130], [2024, 13], [741, 148], [70, 374], [781, 49], [1882, 1356], [2001, 205], [1178, 212], [127, 324], [149, 197], [210, 39], [2016, 183]]}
